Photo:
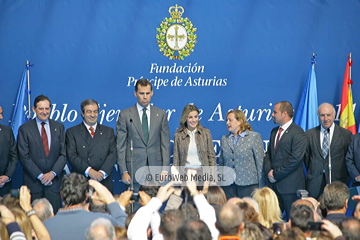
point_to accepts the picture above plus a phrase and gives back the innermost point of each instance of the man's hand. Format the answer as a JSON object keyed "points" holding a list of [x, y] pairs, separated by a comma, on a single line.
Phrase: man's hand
{"points": [[331, 228], [124, 198], [164, 192], [356, 198], [271, 176], [96, 175], [145, 198], [47, 178], [357, 178], [25, 198], [126, 178], [3, 180], [163, 176], [6, 215], [103, 194]]}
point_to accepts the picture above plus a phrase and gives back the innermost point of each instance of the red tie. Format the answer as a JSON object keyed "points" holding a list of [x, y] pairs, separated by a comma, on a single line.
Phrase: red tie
{"points": [[278, 137], [92, 133], [44, 139]]}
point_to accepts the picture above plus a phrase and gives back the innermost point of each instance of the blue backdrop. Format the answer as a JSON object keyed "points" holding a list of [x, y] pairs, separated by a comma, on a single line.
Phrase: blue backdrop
{"points": [[249, 55]]}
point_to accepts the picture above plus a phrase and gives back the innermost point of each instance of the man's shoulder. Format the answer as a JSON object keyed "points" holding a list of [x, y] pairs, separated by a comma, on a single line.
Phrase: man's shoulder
{"points": [[55, 123], [105, 128], [156, 109], [5, 128], [312, 131], [343, 130]]}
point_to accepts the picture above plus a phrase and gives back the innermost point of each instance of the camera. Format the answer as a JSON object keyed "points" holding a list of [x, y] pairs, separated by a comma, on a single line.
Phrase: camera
{"points": [[315, 226], [135, 197], [277, 228], [15, 193], [301, 193]]}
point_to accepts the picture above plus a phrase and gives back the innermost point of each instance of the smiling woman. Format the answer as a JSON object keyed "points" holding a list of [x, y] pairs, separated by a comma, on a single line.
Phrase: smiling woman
{"points": [[193, 147]]}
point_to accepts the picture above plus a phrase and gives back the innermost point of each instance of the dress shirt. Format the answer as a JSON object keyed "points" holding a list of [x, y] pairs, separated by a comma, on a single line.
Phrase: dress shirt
{"points": [[193, 160], [284, 127]]}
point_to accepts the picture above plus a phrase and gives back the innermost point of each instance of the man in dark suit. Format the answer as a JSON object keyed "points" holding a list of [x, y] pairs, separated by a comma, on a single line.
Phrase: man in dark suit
{"points": [[8, 157], [41, 149], [326, 142], [353, 160], [145, 129], [284, 157], [91, 147]]}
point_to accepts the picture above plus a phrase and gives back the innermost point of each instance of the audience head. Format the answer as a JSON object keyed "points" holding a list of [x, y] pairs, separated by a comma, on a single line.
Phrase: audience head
{"points": [[249, 213], [293, 233], [269, 210], [336, 196], [100, 229], [74, 189], [252, 203], [194, 229], [171, 220], [229, 221], [303, 202], [300, 216], [251, 232], [22, 220], [216, 195], [189, 210], [97, 206], [43, 208], [350, 227]]}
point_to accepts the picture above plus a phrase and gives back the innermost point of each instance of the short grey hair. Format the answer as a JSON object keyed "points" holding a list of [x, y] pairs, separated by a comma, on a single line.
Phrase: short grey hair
{"points": [[91, 234], [43, 208], [254, 203]]}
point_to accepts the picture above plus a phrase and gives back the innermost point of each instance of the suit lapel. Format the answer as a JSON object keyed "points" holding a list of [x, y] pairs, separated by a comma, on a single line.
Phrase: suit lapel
{"points": [[34, 131], [284, 136], [335, 137], [84, 133], [317, 140], [230, 142], [136, 122]]}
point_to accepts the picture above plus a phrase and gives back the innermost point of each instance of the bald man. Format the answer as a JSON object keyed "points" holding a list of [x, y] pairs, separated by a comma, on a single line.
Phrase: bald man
{"points": [[326, 151]]}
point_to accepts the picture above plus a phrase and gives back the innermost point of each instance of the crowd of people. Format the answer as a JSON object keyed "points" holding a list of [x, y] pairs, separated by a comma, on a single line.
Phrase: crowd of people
{"points": [[261, 202]]}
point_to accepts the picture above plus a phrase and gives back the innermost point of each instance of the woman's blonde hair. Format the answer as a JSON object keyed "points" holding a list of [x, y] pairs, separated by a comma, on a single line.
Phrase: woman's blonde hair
{"points": [[269, 210], [22, 220], [240, 116]]}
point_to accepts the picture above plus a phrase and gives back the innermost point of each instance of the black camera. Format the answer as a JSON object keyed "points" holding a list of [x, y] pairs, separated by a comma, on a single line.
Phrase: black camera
{"points": [[135, 197], [15, 193], [314, 226]]}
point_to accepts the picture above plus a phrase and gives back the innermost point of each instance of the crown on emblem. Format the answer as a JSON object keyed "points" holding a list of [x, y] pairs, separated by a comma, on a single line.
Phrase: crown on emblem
{"points": [[174, 11]]}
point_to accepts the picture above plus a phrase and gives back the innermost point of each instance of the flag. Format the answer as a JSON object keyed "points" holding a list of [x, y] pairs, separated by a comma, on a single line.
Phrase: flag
{"points": [[19, 115], [306, 114], [347, 118]]}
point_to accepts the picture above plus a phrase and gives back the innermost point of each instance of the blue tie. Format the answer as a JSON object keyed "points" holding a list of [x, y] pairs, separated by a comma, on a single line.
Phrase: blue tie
{"points": [[325, 144]]}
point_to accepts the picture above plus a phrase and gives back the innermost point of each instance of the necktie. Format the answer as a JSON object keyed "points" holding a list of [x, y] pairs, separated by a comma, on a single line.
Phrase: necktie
{"points": [[278, 137], [325, 143], [44, 139], [92, 133], [145, 126]]}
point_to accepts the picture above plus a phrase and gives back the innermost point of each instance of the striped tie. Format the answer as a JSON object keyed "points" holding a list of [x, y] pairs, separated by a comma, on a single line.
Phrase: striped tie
{"points": [[325, 143]]}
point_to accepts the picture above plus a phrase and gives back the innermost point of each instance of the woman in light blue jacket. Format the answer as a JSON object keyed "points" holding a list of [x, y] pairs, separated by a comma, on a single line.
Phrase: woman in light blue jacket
{"points": [[242, 149]]}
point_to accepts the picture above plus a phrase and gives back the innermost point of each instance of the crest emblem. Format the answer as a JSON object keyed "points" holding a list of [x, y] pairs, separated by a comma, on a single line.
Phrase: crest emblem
{"points": [[176, 36]]}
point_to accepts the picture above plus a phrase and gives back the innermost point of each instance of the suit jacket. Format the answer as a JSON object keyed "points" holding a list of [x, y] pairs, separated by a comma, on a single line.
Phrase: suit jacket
{"points": [[353, 157], [287, 160], [33, 158], [99, 152], [8, 156], [316, 164], [155, 153], [246, 158], [204, 147]]}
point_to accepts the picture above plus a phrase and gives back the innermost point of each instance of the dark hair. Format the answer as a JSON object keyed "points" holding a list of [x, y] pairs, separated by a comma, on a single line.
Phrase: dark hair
{"points": [[293, 233], [195, 229], [285, 106], [335, 195], [300, 216], [74, 187], [41, 98], [142, 82], [87, 102], [189, 210], [249, 213], [95, 207], [216, 195], [171, 220]]}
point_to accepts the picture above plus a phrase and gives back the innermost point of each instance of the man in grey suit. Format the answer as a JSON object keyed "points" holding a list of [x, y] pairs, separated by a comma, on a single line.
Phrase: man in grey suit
{"points": [[143, 136], [41, 149], [353, 160], [91, 147], [325, 153], [8, 157], [284, 157]]}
